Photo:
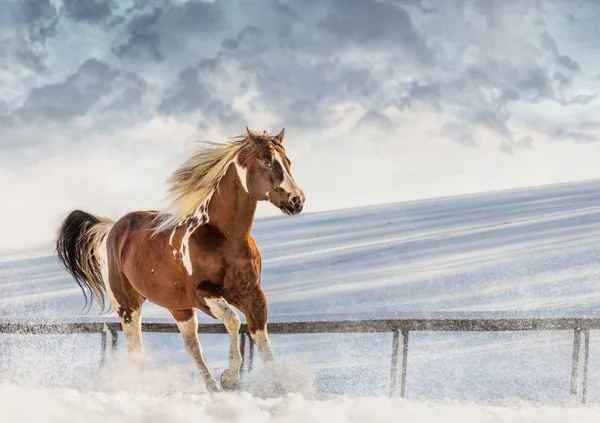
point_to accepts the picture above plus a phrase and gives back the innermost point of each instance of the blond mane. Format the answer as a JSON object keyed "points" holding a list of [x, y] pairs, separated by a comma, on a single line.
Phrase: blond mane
{"points": [[194, 182]]}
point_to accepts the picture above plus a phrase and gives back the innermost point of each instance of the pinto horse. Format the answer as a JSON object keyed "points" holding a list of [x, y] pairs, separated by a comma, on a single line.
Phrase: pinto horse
{"points": [[197, 254]]}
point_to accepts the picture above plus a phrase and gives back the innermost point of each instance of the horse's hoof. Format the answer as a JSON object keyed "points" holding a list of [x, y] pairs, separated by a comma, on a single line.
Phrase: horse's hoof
{"points": [[228, 382], [213, 387]]}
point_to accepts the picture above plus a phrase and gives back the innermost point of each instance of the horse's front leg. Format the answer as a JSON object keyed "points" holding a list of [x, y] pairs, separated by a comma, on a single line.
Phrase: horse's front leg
{"points": [[254, 307], [187, 322], [230, 379]]}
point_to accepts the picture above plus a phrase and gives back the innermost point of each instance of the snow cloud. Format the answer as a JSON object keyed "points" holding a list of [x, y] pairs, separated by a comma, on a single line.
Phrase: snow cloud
{"points": [[382, 100]]}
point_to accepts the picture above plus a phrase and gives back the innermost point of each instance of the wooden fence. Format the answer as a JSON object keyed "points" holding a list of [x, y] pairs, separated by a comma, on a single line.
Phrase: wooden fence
{"points": [[398, 327]]}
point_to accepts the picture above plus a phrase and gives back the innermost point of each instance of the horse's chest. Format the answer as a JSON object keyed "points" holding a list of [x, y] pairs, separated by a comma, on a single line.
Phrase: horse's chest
{"points": [[226, 266], [244, 269], [209, 268]]}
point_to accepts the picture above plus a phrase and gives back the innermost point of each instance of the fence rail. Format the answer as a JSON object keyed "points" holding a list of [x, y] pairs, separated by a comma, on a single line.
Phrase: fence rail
{"points": [[398, 328]]}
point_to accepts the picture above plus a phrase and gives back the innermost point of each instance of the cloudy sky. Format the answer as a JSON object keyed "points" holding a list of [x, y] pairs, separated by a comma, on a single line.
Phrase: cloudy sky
{"points": [[381, 100]]}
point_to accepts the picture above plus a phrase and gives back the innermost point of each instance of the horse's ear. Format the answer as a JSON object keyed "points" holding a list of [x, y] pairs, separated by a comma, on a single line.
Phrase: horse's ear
{"points": [[252, 136], [280, 136]]}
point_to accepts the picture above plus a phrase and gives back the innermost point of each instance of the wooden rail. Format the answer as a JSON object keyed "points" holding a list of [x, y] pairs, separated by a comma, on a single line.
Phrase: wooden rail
{"points": [[398, 328]]}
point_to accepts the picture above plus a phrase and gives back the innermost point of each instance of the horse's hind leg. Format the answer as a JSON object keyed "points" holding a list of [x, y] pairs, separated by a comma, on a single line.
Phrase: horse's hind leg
{"points": [[127, 303], [230, 378], [187, 322], [131, 322]]}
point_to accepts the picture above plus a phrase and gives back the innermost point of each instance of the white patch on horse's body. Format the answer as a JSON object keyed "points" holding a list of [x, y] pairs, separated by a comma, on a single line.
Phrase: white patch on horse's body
{"points": [[261, 339], [196, 181], [288, 183], [198, 218], [189, 332], [242, 174], [223, 311], [175, 250], [185, 250], [193, 222], [172, 235]]}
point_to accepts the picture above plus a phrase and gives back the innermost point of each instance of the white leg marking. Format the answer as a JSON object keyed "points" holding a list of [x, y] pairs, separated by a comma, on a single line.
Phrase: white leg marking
{"points": [[223, 311], [133, 334], [261, 339], [132, 329], [189, 332]]}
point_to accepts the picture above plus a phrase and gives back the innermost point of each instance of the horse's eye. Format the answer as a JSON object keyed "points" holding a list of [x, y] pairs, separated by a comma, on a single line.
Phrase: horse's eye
{"points": [[268, 164]]}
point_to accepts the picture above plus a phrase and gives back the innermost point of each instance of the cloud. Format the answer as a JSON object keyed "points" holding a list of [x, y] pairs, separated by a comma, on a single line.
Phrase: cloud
{"points": [[481, 82], [165, 26], [525, 142], [307, 61], [422, 91], [568, 133], [143, 39], [90, 11], [28, 24], [568, 63], [549, 43], [375, 119], [191, 94], [458, 134], [376, 23], [93, 82], [509, 147]]}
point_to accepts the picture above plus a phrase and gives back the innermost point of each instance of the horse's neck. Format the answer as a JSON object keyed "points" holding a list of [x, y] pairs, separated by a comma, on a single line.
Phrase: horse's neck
{"points": [[231, 209]]}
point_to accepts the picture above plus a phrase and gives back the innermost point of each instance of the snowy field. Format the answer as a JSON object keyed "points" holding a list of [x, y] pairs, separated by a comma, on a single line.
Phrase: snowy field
{"points": [[520, 253]]}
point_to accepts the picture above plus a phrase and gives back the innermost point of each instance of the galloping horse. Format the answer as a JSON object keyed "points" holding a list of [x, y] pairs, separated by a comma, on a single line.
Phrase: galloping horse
{"points": [[196, 254]]}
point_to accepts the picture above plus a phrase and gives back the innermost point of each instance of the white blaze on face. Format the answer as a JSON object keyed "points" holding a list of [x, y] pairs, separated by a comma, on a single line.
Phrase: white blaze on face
{"points": [[242, 174], [288, 183]]}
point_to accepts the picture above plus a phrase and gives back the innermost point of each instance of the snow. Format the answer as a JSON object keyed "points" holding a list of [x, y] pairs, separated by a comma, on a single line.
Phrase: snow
{"points": [[63, 405], [527, 252]]}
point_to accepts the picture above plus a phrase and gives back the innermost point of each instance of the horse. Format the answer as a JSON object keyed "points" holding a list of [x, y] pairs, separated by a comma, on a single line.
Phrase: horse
{"points": [[197, 253]]}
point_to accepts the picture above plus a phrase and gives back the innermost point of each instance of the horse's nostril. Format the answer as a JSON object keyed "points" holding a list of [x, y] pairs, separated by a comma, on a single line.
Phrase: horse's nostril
{"points": [[294, 200]]}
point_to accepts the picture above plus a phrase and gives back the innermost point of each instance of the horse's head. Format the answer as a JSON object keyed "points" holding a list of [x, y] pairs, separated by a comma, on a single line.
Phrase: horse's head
{"points": [[264, 170]]}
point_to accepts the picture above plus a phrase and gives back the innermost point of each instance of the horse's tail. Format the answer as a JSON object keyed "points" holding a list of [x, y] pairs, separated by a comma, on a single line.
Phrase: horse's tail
{"points": [[79, 249]]}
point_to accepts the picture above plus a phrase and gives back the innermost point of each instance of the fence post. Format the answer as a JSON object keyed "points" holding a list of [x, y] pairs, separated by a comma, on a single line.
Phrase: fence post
{"points": [[114, 339], [250, 353], [394, 367], [499, 325], [404, 362], [575, 365], [586, 355], [103, 345], [242, 351]]}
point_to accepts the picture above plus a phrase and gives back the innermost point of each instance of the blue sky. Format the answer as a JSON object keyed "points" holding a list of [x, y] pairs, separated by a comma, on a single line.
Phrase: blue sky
{"points": [[381, 100]]}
